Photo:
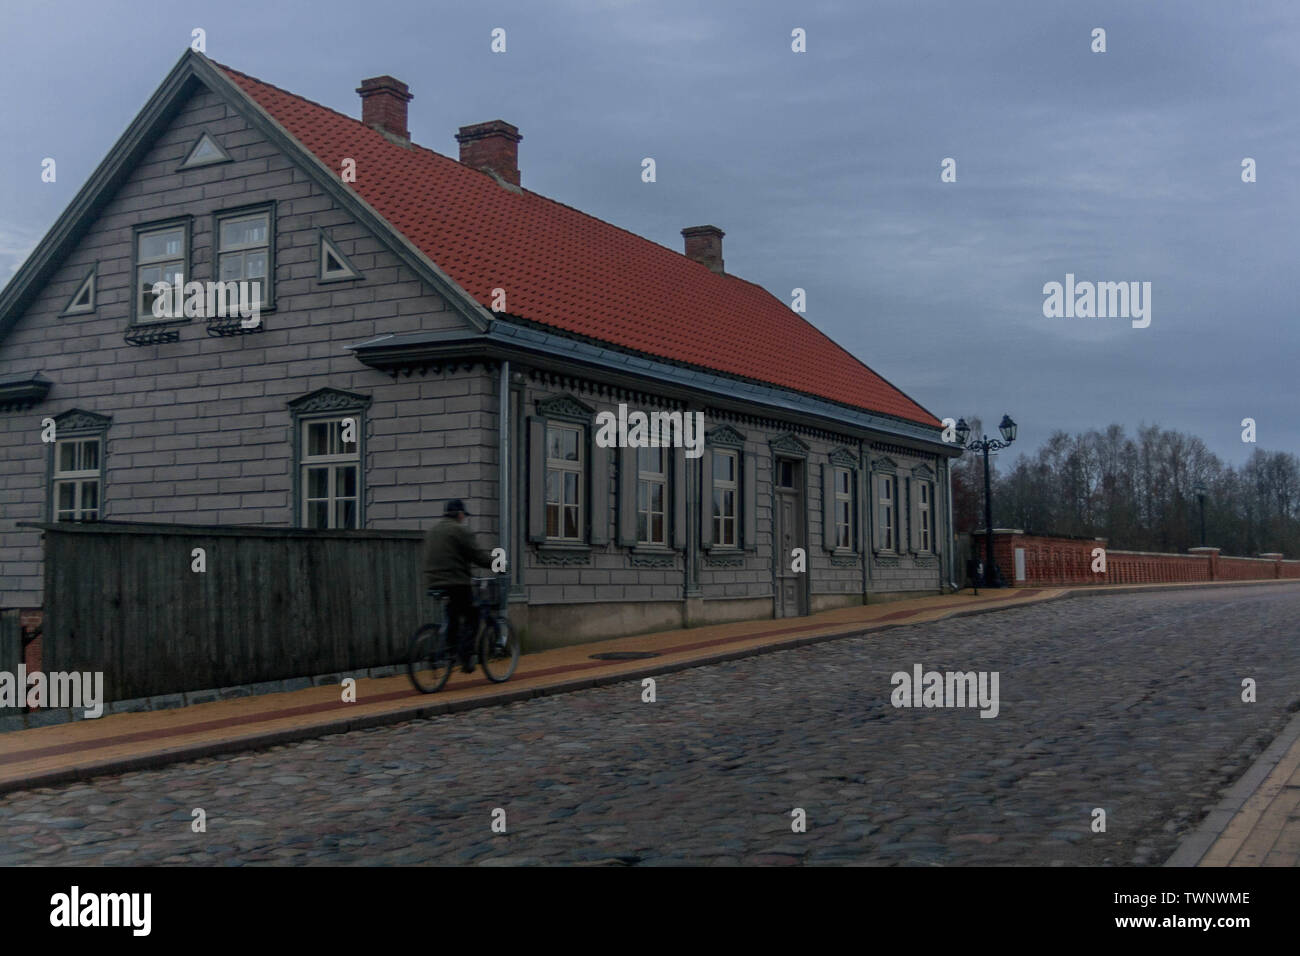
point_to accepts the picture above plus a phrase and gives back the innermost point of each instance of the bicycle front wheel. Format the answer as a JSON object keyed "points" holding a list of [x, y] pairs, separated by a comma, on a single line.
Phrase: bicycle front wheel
{"points": [[499, 650], [430, 659]]}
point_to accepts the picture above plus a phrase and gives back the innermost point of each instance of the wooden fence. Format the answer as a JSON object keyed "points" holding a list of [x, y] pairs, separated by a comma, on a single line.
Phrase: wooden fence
{"points": [[270, 604]]}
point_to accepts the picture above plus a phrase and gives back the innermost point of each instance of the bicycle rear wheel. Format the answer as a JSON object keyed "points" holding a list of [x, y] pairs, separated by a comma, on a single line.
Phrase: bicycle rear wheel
{"points": [[430, 659], [499, 650]]}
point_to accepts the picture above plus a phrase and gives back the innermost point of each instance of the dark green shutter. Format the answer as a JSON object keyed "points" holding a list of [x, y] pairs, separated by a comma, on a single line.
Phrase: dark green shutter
{"points": [[627, 497], [598, 504], [749, 489], [536, 479], [828, 506], [706, 500], [679, 497]]}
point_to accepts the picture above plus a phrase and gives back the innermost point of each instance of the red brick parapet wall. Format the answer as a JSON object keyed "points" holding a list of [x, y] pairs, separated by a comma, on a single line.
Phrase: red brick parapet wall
{"points": [[1068, 561]]}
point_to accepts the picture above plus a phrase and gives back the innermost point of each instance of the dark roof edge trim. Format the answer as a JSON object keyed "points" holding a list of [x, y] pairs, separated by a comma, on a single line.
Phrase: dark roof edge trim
{"points": [[112, 170], [508, 341]]}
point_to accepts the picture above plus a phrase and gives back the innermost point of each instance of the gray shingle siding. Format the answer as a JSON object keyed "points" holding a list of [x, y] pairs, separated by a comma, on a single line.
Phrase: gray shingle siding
{"points": [[201, 430], [202, 433]]}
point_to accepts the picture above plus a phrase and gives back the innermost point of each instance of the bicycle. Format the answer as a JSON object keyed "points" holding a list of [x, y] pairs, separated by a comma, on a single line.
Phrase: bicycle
{"points": [[432, 657]]}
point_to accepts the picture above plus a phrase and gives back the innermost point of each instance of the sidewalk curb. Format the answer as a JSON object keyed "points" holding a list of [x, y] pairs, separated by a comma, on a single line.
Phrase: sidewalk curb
{"points": [[1197, 844], [261, 741]]}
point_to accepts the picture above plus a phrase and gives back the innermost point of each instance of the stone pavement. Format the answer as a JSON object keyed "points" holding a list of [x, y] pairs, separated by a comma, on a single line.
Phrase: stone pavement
{"points": [[1126, 702], [111, 745], [132, 741]]}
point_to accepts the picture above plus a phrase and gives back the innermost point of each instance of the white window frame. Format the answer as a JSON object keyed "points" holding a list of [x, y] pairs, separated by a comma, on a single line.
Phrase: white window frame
{"points": [[78, 478], [843, 523], [144, 314], [564, 466], [333, 462], [887, 510], [721, 519], [924, 513], [265, 283], [86, 286], [646, 481], [346, 270]]}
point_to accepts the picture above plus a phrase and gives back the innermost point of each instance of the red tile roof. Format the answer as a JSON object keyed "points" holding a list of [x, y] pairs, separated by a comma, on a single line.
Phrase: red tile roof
{"points": [[573, 272]]}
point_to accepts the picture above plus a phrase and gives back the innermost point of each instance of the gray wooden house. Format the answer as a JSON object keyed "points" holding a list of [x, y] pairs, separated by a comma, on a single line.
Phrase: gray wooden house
{"points": [[430, 329]]}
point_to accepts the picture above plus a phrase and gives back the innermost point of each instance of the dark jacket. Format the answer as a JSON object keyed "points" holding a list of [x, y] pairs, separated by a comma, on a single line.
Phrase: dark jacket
{"points": [[449, 550]]}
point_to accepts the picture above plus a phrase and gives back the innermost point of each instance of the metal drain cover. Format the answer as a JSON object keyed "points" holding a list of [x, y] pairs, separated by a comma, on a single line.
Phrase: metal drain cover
{"points": [[623, 655]]}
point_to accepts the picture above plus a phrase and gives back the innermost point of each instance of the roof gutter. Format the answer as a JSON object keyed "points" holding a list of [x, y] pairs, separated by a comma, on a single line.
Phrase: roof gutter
{"points": [[406, 353]]}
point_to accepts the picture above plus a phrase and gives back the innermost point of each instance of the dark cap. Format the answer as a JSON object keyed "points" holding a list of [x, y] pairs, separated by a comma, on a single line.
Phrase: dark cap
{"points": [[453, 506]]}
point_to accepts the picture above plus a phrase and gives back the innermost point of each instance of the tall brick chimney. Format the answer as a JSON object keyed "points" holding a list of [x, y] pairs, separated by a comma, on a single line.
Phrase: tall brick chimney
{"points": [[492, 146], [383, 105], [704, 245]]}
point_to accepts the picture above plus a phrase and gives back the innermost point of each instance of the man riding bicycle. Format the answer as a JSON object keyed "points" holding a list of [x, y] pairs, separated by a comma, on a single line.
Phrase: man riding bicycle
{"points": [[449, 551]]}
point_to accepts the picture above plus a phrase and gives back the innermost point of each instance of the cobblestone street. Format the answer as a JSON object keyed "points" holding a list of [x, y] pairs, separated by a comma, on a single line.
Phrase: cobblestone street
{"points": [[1131, 703]]}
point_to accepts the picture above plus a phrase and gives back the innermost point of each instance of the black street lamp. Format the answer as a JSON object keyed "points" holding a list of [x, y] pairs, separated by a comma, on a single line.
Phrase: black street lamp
{"points": [[1199, 491], [986, 444]]}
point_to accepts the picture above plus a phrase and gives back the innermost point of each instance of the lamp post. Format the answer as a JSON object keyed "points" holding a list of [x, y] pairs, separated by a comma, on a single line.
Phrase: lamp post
{"points": [[985, 444], [1199, 491]]}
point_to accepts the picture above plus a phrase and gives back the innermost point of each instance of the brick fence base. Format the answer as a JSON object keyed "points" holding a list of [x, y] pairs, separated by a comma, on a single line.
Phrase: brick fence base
{"points": [[1037, 560]]}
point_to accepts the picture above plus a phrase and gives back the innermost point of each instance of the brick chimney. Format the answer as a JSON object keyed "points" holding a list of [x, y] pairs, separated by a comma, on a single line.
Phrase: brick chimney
{"points": [[492, 146], [383, 105], [704, 245]]}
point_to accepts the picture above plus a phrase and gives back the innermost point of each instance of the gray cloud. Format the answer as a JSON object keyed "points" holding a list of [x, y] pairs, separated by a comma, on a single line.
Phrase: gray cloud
{"points": [[823, 168]]}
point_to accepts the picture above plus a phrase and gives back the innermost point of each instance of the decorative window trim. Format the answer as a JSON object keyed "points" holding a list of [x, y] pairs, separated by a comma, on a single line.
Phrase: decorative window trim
{"points": [[565, 408], [135, 335], [724, 436], [563, 555], [844, 458], [76, 425], [191, 163], [923, 472], [240, 212], [789, 445], [885, 466], [651, 557], [349, 272], [327, 404], [87, 283]]}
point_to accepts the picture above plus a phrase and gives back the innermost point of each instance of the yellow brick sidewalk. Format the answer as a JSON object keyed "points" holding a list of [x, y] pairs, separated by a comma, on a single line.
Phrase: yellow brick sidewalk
{"points": [[1265, 828]]}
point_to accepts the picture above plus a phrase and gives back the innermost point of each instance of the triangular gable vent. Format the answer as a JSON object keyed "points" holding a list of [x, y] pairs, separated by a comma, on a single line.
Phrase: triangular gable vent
{"points": [[204, 153], [334, 264], [83, 300]]}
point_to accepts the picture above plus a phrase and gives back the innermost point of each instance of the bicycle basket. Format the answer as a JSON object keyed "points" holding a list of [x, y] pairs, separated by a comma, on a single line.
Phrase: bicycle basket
{"points": [[487, 591]]}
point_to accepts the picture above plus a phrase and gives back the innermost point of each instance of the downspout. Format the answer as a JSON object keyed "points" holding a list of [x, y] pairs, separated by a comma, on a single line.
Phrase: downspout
{"points": [[951, 535], [503, 481], [864, 516]]}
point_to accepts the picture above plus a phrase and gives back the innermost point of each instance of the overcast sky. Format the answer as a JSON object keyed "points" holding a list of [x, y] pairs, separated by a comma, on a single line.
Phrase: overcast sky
{"points": [[823, 167]]}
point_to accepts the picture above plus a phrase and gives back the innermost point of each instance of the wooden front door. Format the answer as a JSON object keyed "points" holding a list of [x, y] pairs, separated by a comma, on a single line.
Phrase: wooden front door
{"points": [[791, 586]]}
